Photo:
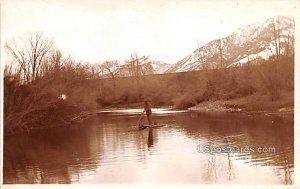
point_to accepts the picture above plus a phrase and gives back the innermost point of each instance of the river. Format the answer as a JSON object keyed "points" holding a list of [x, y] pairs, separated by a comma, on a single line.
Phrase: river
{"points": [[193, 148]]}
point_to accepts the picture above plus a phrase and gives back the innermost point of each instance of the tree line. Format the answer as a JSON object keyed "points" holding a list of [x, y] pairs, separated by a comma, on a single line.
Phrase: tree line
{"points": [[39, 74]]}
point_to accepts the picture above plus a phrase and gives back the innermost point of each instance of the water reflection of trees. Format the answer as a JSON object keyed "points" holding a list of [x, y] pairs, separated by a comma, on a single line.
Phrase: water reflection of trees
{"points": [[62, 156], [50, 157], [246, 131]]}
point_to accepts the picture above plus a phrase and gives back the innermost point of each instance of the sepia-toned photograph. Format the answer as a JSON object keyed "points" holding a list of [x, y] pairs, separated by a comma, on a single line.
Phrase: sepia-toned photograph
{"points": [[148, 92]]}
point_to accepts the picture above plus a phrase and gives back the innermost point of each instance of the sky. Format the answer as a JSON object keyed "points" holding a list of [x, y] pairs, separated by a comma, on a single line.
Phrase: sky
{"points": [[167, 30]]}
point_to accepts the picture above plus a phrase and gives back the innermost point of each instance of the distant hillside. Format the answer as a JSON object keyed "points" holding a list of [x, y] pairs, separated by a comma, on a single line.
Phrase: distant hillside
{"points": [[159, 66], [145, 65], [245, 44]]}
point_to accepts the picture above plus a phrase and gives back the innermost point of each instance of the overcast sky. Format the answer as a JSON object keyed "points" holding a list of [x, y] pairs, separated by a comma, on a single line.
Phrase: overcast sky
{"points": [[95, 31]]}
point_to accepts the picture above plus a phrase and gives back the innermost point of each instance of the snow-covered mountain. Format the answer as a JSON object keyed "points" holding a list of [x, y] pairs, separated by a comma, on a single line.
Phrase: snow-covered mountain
{"points": [[159, 66], [147, 65], [255, 41]]}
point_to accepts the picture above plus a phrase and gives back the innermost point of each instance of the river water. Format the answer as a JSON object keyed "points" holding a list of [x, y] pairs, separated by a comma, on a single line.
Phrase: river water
{"points": [[193, 148]]}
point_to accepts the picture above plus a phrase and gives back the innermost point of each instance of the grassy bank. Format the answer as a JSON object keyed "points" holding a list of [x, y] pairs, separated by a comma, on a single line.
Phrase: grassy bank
{"points": [[251, 104]]}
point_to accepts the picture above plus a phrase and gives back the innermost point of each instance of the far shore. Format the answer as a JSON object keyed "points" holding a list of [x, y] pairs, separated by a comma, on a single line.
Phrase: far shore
{"points": [[254, 104], [250, 105]]}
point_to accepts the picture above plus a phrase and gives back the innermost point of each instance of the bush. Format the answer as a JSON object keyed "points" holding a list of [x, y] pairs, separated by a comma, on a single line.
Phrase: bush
{"points": [[30, 107]]}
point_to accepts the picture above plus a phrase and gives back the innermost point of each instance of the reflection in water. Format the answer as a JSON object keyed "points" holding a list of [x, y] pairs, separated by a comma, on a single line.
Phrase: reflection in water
{"points": [[150, 138], [230, 167], [50, 157], [253, 131], [103, 150]]}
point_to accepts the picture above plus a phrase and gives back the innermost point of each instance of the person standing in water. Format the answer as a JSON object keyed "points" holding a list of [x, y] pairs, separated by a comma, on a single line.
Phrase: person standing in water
{"points": [[148, 111]]}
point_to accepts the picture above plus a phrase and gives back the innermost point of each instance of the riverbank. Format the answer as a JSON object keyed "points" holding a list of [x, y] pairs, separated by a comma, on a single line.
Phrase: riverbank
{"points": [[254, 104], [23, 127], [46, 115]]}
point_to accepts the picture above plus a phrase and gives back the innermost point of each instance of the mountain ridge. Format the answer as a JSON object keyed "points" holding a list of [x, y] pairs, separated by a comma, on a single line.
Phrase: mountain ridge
{"points": [[245, 44]]}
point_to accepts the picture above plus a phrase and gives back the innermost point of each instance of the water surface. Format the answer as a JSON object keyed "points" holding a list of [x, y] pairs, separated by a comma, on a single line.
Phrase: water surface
{"points": [[108, 148]]}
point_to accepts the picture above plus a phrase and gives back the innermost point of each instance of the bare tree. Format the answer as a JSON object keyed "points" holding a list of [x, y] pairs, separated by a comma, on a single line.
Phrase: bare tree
{"points": [[8, 70], [56, 60], [53, 64], [20, 57], [200, 58], [97, 70], [111, 68], [276, 33], [278, 36], [221, 52], [287, 48], [202, 53], [31, 56], [135, 65], [289, 39], [147, 69]]}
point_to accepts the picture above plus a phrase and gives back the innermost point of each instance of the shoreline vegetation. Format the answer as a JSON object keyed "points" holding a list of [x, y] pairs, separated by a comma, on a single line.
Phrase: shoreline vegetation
{"points": [[255, 104], [43, 89]]}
